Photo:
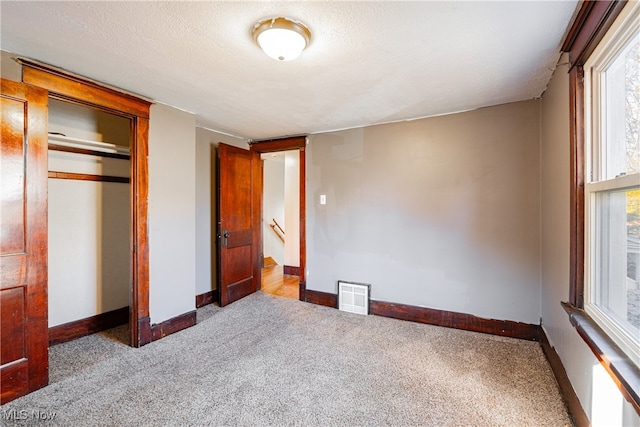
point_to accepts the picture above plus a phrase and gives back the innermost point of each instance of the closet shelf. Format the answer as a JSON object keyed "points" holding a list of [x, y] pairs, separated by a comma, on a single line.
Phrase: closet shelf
{"points": [[104, 147]]}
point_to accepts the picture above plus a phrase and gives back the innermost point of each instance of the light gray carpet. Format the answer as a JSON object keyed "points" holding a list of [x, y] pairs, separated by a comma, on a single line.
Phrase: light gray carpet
{"points": [[266, 360]]}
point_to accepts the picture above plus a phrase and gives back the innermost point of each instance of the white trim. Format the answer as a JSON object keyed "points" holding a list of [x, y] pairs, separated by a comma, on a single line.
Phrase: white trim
{"points": [[105, 147], [619, 333], [618, 38], [621, 183]]}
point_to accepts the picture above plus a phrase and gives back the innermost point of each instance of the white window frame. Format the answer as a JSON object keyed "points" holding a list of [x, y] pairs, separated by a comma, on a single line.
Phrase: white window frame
{"points": [[626, 26]]}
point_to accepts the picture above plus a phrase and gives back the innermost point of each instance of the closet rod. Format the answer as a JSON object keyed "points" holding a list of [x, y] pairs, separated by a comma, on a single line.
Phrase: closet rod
{"points": [[106, 147], [88, 177], [67, 149]]}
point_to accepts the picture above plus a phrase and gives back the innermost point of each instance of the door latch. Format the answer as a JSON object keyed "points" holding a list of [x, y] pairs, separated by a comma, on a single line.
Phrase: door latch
{"points": [[225, 237]]}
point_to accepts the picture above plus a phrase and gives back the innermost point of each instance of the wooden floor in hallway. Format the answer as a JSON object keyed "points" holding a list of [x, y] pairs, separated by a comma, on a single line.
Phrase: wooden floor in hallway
{"points": [[275, 282]]}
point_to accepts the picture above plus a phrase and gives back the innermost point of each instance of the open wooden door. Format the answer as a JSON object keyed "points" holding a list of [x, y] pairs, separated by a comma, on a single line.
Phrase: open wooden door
{"points": [[239, 210], [24, 364]]}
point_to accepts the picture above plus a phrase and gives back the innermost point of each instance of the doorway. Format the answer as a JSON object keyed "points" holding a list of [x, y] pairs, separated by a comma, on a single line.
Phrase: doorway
{"points": [[280, 223], [283, 216], [89, 230]]}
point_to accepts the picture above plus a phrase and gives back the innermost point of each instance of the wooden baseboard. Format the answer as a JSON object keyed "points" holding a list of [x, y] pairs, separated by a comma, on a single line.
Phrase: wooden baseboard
{"points": [[451, 319], [302, 291], [576, 411], [291, 270], [206, 298], [321, 298], [90, 325], [173, 325], [144, 332], [430, 316]]}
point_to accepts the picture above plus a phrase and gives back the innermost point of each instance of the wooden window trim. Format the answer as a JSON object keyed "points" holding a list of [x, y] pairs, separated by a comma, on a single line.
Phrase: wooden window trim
{"points": [[590, 26], [624, 372]]}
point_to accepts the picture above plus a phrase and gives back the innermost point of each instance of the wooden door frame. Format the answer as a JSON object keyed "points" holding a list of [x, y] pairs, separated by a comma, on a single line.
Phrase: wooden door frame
{"points": [[287, 144], [68, 87]]}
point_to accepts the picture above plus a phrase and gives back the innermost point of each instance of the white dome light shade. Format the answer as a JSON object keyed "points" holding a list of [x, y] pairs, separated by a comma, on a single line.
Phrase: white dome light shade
{"points": [[281, 44], [281, 38]]}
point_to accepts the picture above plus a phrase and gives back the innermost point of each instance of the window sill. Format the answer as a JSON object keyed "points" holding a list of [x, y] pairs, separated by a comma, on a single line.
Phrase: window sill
{"points": [[624, 372]]}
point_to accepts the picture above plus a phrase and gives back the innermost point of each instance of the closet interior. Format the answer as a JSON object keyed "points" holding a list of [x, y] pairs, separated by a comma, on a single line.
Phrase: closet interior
{"points": [[89, 218]]}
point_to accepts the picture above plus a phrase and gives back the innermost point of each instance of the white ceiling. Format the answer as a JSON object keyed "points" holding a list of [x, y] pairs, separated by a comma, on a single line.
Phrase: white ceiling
{"points": [[368, 62]]}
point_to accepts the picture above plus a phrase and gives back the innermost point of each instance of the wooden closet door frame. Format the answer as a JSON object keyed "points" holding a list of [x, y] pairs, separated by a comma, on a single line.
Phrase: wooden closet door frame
{"points": [[74, 89]]}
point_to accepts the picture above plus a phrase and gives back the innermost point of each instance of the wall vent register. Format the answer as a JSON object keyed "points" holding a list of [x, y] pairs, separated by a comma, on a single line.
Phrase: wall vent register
{"points": [[353, 297]]}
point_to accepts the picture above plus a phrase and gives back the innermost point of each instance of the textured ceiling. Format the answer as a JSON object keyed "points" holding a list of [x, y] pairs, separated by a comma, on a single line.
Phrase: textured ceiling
{"points": [[368, 62]]}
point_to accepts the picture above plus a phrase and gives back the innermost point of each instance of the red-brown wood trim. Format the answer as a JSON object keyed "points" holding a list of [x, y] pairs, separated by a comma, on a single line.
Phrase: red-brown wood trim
{"points": [[590, 26], [88, 177], [578, 23], [321, 298], [56, 147], [302, 291], [90, 325], [78, 89], [282, 144], [141, 329], [291, 270], [37, 242], [571, 401], [576, 189], [206, 298], [257, 185], [15, 382], [451, 319], [624, 372], [71, 88], [430, 316], [173, 325], [303, 217], [30, 372]]}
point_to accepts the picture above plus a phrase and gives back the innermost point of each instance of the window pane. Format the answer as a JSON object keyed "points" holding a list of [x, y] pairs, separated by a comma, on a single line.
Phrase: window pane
{"points": [[621, 153], [617, 287]]}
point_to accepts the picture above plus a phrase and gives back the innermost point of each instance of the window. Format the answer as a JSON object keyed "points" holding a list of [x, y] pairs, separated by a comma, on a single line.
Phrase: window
{"points": [[612, 183]]}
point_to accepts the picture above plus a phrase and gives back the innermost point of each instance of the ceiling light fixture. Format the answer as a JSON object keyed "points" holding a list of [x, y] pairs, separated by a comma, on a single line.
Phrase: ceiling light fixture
{"points": [[281, 38]]}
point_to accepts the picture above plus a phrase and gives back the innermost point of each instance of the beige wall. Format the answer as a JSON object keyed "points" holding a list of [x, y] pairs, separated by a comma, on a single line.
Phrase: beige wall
{"points": [[292, 208], [440, 212], [273, 206], [172, 213], [205, 187], [9, 69], [596, 391]]}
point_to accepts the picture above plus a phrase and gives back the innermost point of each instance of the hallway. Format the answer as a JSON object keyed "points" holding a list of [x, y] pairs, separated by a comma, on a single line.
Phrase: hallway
{"points": [[275, 282]]}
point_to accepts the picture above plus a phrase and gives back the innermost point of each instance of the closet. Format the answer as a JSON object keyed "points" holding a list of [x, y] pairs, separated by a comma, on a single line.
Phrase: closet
{"points": [[97, 200], [74, 230], [89, 231]]}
